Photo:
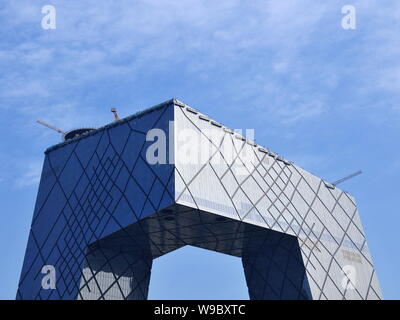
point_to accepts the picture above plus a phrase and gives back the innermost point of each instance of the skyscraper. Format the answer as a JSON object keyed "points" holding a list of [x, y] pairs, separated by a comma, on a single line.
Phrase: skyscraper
{"points": [[113, 199]]}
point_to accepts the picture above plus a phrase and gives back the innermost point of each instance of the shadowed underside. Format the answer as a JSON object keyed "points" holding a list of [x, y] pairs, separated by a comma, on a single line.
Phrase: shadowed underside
{"points": [[119, 266]]}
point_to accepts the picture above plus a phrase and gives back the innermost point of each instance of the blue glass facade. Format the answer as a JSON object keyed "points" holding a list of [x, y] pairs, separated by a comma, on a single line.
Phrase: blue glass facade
{"points": [[103, 213], [91, 188]]}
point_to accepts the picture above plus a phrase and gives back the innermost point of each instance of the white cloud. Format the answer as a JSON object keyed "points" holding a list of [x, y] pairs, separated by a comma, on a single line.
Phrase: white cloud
{"points": [[30, 176], [22, 88], [290, 114], [264, 50]]}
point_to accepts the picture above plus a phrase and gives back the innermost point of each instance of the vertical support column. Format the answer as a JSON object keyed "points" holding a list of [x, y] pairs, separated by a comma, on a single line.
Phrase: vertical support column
{"points": [[274, 268], [115, 275]]}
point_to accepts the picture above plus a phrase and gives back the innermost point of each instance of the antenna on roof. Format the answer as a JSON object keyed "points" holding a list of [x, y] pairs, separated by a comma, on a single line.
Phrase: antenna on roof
{"points": [[50, 126], [346, 178], [114, 111]]}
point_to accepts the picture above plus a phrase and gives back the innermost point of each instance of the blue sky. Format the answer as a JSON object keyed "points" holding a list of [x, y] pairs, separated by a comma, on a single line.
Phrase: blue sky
{"points": [[324, 97]]}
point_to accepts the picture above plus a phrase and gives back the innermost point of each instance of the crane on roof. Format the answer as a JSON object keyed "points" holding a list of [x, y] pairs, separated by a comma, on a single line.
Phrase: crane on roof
{"points": [[71, 134], [51, 127], [67, 135], [346, 178]]}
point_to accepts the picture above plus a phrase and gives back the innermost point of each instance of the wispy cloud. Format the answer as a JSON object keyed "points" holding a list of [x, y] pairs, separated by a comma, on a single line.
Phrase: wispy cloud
{"points": [[263, 43], [30, 175]]}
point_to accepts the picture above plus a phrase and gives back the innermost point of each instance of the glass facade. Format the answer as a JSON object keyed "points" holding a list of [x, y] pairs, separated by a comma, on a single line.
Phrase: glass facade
{"points": [[104, 212]]}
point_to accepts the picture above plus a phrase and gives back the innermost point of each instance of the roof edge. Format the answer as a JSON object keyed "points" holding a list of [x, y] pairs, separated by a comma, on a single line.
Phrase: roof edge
{"points": [[113, 124]]}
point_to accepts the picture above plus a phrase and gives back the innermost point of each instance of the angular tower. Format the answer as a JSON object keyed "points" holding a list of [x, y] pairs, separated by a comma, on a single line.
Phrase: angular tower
{"points": [[115, 198]]}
